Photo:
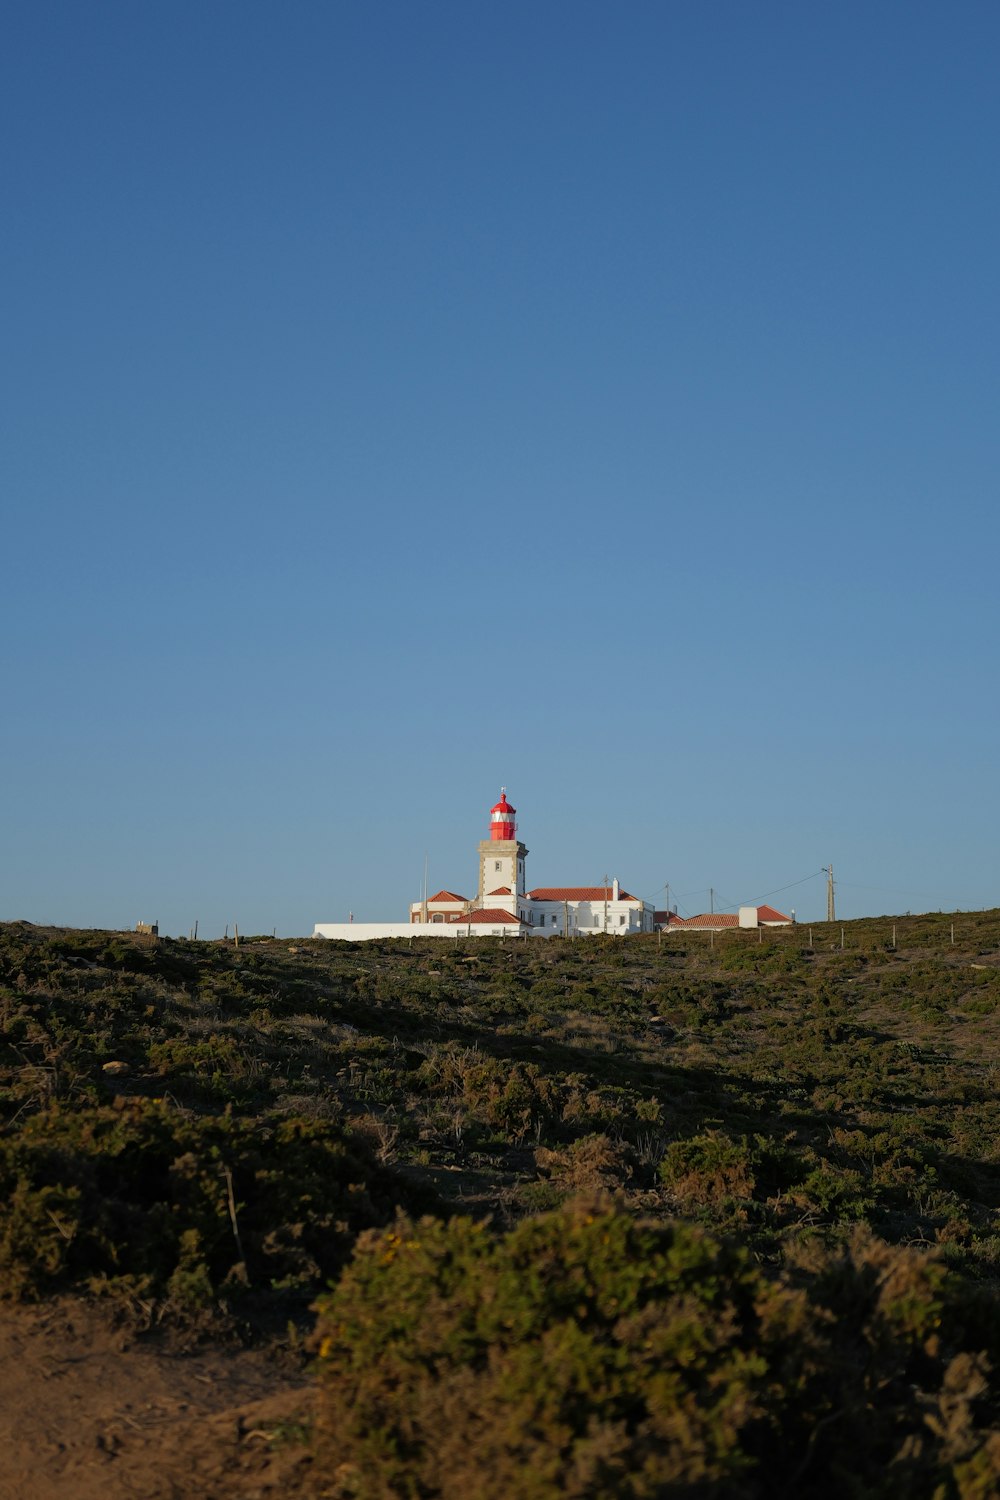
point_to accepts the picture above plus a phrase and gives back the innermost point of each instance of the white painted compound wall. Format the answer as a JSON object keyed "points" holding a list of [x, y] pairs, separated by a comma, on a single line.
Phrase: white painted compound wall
{"points": [[362, 932]]}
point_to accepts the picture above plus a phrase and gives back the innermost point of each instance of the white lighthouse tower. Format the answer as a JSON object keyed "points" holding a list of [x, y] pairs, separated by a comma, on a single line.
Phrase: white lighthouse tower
{"points": [[501, 859]]}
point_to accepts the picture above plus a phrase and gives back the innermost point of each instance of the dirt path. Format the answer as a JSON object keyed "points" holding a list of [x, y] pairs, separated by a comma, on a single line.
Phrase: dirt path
{"points": [[88, 1413]]}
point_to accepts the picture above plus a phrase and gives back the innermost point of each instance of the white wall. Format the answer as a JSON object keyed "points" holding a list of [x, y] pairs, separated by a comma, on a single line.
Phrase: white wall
{"points": [[362, 932]]}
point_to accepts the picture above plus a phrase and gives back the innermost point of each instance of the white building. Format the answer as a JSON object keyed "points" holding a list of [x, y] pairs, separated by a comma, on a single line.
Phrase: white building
{"points": [[504, 907]]}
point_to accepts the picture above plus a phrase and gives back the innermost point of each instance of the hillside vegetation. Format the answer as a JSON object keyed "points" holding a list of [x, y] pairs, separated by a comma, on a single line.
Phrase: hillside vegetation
{"points": [[594, 1218]]}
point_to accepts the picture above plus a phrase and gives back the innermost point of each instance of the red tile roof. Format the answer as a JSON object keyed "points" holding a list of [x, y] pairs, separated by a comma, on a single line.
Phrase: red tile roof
{"points": [[667, 918], [707, 920], [501, 890], [444, 896], [578, 893], [487, 914], [712, 919]]}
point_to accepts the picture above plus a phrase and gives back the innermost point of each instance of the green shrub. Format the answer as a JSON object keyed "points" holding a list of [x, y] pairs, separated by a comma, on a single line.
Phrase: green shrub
{"points": [[586, 1354], [709, 1168], [149, 1195]]}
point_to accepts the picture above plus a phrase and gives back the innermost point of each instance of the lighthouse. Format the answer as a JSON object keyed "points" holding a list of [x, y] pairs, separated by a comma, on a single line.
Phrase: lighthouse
{"points": [[502, 825], [501, 860], [504, 907]]}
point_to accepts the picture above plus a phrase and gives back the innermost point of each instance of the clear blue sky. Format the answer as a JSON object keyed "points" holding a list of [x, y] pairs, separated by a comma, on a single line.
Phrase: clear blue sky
{"points": [[400, 400]]}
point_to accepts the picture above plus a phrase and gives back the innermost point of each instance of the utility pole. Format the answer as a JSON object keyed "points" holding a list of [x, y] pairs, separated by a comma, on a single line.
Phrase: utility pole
{"points": [[711, 899], [831, 910]]}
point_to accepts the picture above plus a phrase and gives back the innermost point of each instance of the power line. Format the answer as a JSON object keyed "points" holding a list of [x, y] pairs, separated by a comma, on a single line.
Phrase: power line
{"points": [[728, 905], [890, 890], [734, 905], [790, 886], [679, 897]]}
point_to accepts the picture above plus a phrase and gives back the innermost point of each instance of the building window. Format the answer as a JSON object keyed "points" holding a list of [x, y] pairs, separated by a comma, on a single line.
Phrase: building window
{"points": [[621, 921], [497, 865]]}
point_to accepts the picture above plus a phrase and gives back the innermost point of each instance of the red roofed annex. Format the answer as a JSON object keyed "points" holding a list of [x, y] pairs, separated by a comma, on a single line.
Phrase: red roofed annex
{"points": [[720, 921]]}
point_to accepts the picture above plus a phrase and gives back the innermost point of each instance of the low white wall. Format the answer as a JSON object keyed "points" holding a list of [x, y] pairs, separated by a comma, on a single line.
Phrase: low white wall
{"points": [[361, 932]]}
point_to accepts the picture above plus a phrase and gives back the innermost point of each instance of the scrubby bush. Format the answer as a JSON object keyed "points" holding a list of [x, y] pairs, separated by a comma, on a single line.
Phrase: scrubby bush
{"points": [[709, 1169], [716, 1169], [161, 1202], [588, 1354], [589, 1164]]}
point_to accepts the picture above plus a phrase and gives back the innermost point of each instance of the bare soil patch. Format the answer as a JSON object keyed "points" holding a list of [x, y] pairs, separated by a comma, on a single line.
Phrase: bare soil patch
{"points": [[89, 1411]]}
